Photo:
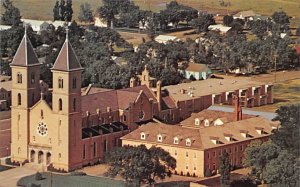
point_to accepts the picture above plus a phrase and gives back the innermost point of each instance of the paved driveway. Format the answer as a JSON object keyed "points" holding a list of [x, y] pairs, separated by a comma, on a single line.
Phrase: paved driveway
{"points": [[9, 178]]}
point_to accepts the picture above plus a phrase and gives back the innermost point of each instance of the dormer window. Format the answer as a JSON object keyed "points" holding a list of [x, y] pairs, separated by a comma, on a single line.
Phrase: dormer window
{"points": [[206, 123], [176, 140], [197, 122], [159, 138], [215, 140], [228, 137], [143, 136], [188, 142], [259, 130], [244, 133]]}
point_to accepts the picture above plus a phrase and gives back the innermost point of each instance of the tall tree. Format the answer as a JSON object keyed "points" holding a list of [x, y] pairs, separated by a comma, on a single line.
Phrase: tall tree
{"points": [[85, 13], [227, 20], [202, 22], [68, 14], [288, 135], [11, 15], [56, 11], [224, 169], [137, 164]]}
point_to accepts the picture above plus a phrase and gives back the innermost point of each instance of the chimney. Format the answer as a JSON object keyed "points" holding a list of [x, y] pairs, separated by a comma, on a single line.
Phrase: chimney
{"points": [[158, 94], [237, 108]]}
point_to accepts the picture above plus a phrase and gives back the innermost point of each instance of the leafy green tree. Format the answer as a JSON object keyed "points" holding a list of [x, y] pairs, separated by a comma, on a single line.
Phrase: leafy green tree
{"points": [[11, 14], [288, 135], [68, 11], [202, 22], [138, 164], [85, 13], [227, 20], [224, 169], [56, 11], [257, 156], [282, 19], [283, 171]]}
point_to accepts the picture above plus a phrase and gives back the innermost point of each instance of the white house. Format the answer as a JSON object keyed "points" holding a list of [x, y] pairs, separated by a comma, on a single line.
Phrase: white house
{"points": [[245, 15], [166, 38], [4, 27], [36, 25], [100, 22], [198, 71], [220, 28]]}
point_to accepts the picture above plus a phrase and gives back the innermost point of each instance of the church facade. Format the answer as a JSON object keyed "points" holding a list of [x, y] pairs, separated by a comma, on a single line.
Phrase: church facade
{"points": [[48, 130]]}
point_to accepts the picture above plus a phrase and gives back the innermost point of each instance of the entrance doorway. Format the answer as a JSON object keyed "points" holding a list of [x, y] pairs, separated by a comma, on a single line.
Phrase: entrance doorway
{"points": [[40, 157], [32, 155], [48, 161]]}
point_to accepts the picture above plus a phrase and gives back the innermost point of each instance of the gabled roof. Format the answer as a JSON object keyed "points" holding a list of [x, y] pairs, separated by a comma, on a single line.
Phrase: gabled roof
{"points": [[194, 67], [67, 59], [25, 55]]}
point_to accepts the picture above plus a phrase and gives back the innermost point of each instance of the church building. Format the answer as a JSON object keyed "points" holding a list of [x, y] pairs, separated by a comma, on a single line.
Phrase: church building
{"points": [[48, 127]]}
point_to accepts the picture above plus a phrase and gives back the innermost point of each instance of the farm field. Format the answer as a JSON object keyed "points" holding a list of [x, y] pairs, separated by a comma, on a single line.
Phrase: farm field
{"points": [[41, 9]]}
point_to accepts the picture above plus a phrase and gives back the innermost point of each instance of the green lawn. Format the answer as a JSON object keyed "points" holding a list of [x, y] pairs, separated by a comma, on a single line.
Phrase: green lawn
{"points": [[41, 9], [71, 181]]}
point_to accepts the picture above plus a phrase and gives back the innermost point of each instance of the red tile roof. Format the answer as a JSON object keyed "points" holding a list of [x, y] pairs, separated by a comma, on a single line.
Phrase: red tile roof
{"points": [[25, 55], [201, 138], [194, 67], [67, 59]]}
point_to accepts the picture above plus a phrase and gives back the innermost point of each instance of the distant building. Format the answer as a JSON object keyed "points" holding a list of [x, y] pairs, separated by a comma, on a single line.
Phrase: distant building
{"points": [[57, 23], [245, 15], [198, 71], [36, 25], [219, 28], [5, 95], [165, 39], [99, 22], [4, 27]]}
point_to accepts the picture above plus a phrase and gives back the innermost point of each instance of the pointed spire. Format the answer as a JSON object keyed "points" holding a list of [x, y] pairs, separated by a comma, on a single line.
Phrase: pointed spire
{"points": [[25, 55], [67, 59]]}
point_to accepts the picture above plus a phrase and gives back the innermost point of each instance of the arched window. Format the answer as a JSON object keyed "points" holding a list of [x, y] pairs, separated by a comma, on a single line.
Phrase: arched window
{"points": [[60, 105], [32, 76], [19, 78], [74, 104], [19, 99], [74, 83], [60, 83]]}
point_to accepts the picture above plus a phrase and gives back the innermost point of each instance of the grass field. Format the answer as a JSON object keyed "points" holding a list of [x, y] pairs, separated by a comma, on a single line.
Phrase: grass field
{"points": [[284, 93], [42, 9]]}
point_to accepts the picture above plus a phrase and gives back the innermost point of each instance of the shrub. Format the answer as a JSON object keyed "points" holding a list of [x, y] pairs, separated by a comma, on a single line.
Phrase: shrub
{"points": [[77, 173], [38, 176], [207, 172]]}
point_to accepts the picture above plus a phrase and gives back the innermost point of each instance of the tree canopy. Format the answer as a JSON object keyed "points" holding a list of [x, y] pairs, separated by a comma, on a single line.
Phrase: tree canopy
{"points": [[277, 161], [85, 13], [11, 14], [63, 10], [139, 164], [224, 169]]}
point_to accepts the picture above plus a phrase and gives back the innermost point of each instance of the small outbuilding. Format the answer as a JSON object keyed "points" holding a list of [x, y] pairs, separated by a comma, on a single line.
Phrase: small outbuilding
{"points": [[198, 71]]}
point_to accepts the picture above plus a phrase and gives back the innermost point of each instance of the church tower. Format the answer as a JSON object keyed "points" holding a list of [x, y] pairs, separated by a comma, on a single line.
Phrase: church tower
{"points": [[25, 93], [66, 103]]}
